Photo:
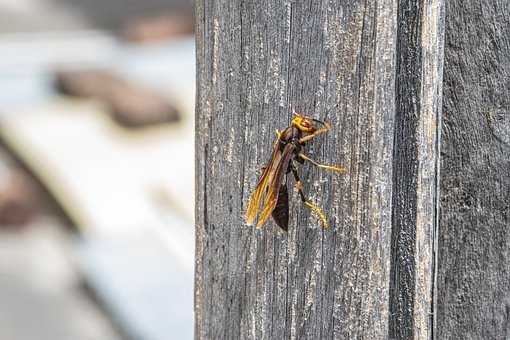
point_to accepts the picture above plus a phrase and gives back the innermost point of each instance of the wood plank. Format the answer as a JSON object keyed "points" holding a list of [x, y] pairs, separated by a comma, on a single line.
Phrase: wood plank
{"points": [[337, 61], [474, 238], [415, 184]]}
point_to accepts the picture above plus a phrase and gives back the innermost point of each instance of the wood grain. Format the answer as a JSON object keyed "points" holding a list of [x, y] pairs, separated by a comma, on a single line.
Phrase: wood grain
{"points": [[474, 238], [349, 63], [415, 184]]}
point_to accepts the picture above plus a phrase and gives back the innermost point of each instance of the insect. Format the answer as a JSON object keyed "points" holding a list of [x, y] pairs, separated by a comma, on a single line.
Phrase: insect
{"points": [[270, 196]]}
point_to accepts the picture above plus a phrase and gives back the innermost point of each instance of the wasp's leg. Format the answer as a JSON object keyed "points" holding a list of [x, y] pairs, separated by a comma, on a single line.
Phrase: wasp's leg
{"points": [[278, 133], [307, 203], [315, 134], [339, 169]]}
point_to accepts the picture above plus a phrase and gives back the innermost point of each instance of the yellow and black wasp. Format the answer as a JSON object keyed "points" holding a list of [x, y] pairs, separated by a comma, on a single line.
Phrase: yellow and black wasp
{"points": [[270, 196]]}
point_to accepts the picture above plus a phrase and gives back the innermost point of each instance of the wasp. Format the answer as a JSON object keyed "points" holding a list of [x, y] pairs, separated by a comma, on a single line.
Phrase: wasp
{"points": [[270, 196]]}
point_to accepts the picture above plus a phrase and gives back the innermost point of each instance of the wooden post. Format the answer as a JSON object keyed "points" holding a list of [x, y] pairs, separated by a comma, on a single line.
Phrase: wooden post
{"points": [[473, 280], [373, 70]]}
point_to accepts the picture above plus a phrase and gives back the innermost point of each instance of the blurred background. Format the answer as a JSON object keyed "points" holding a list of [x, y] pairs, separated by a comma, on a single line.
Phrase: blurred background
{"points": [[96, 169]]}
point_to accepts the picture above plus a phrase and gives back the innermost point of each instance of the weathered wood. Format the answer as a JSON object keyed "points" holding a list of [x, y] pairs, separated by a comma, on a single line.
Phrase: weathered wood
{"points": [[372, 69], [415, 185], [474, 237]]}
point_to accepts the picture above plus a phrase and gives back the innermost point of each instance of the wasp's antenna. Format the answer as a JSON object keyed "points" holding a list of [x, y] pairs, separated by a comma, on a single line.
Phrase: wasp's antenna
{"points": [[326, 114], [319, 121]]}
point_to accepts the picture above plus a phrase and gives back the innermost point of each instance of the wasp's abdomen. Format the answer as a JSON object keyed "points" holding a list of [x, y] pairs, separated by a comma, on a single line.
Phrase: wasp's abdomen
{"points": [[281, 210]]}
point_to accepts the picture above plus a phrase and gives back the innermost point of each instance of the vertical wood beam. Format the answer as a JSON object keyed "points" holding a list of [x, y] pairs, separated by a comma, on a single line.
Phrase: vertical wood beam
{"points": [[473, 290], [347, 63], [416, 172]]}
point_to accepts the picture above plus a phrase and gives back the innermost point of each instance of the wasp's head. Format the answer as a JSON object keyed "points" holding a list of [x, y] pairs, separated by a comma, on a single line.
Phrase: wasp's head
{"points": [[304, 124]]}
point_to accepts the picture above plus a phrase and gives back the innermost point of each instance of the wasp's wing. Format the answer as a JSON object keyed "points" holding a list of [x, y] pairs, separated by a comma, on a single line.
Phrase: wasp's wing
{"points": [[261, 189], [271, 197], [281, 210]]}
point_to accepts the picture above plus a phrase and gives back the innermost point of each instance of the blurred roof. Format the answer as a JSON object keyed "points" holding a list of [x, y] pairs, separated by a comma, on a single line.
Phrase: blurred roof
{"points": [[56, 15]]}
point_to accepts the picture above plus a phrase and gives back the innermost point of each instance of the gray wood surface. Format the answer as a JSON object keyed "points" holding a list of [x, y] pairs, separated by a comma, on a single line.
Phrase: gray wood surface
{"points": [[415, 184], [473, 284], [373, 70]]}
